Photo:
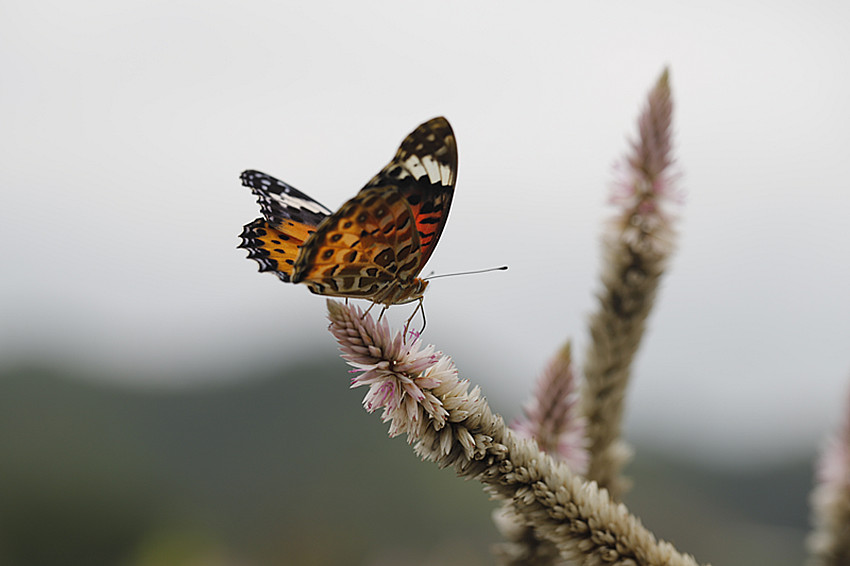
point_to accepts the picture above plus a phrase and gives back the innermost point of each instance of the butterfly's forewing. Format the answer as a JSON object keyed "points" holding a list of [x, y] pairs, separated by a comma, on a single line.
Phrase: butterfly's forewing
{"points": [[289, 219], [424, 170], [280, 201]]}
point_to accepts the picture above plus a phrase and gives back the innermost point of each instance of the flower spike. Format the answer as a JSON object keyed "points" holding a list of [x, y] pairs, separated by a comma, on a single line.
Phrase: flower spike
{"points": [[452, 425], [638, 242]]}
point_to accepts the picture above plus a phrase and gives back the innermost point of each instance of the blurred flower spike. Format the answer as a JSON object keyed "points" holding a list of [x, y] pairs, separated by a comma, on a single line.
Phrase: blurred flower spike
{"points": [[829, 542], [646, 179], [401, 375], [553, 418], [637, 244]]}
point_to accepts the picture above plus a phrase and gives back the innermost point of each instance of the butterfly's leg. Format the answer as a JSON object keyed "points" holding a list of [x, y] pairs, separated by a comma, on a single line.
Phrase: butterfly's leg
{"points": [[380, 297], [422, 310], [419, 307], [367, 310]]}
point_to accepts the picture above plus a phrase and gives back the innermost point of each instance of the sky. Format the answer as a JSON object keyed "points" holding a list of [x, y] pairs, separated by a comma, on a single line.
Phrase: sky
{"points": [[125, 127]]}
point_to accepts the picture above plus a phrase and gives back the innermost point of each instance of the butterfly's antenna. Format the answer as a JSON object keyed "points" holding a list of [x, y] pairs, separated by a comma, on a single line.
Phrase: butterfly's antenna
{"points": [[500, 268]]}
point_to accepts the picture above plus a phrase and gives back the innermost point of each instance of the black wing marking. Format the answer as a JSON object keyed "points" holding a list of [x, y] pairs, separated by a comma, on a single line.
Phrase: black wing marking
{"points": [[280, 202], [427, 155], [424, 170]]}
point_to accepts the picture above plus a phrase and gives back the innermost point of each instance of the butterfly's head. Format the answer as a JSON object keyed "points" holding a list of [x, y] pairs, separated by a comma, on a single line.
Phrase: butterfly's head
{"points": [[418, 288]]}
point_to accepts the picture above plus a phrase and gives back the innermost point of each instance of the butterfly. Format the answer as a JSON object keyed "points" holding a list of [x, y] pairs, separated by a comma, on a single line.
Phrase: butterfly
{"points": [[377, 243]]}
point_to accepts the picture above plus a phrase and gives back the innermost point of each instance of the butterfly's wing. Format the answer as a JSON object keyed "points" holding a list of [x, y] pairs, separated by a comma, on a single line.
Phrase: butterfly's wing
{"points": [[424, 170], [289, 218], [365, 248], [384, 235], [281, 202]]}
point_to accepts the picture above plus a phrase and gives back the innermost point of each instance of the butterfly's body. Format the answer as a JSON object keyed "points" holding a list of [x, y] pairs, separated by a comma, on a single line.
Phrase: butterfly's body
{"points": [[377, 243]]}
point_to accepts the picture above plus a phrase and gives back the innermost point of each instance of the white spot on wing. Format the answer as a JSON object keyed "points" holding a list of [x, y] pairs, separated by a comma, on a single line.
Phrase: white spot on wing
{"points": [[288, 200], [432, 166], [415, 167]]}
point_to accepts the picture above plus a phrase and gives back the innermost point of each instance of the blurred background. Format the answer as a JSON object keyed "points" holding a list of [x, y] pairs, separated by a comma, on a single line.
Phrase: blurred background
{"points": [[163, 404]]}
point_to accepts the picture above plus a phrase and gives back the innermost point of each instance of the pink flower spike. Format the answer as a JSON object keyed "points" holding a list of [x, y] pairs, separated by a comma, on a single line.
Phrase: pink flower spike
{"points": [[646, 181], [453, 426], [400, 375], [552, 417]]}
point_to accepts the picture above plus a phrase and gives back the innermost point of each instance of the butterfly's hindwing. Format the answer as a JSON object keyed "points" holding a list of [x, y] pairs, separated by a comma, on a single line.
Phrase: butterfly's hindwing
{"points": [[370, 242], [273, 249], [289, 219]]}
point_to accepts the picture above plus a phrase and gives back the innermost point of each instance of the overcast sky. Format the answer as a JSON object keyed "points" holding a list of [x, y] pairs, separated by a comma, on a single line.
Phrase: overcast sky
{"points": [[125, 126]]}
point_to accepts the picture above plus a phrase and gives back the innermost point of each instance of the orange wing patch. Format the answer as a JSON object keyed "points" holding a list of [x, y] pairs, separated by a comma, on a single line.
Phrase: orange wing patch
{"points": [[273, 249], [363, 249]]}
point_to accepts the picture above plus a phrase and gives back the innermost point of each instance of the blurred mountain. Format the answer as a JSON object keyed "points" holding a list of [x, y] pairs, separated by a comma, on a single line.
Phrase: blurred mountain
{"points": [[281, 465]]}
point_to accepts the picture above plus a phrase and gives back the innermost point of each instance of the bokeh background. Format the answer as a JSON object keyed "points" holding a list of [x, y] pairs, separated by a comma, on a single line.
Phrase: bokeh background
{"points": [[162, 403]]}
